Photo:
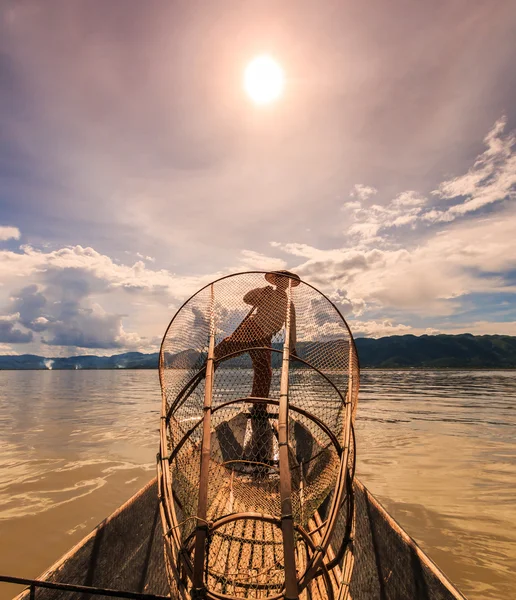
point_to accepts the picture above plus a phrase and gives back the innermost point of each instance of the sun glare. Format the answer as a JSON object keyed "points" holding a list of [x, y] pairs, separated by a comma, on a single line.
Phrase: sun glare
{"points": [[264, 80]]}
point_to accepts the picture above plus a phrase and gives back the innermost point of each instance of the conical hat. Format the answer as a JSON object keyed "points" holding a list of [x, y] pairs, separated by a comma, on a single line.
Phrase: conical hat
{"points": [[272, 277]]}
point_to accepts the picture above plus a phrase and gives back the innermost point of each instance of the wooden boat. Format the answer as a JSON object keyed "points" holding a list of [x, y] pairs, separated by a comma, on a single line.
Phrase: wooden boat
{"points": [[255, 494], [125, 553]]}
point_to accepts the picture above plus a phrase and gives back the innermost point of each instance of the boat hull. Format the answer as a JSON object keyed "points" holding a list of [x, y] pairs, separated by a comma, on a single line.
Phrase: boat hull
{"points": [[125, 552]]}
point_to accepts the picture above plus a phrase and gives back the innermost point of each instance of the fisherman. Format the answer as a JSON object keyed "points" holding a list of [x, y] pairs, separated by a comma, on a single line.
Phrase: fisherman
{"points": [[254, 335]]}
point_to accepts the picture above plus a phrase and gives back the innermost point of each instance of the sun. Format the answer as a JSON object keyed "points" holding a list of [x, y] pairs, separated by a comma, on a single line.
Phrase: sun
{"points": [[264, 80]]}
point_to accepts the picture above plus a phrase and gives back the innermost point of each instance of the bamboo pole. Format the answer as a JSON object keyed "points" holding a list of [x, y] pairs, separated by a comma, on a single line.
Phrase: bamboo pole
{"points": [[340, 484], [202, 506], [287, 524], [167, 510]]}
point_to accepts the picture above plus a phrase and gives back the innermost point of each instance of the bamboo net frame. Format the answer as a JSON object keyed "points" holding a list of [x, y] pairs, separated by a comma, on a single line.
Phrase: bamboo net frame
{"points": [[257, 451]]}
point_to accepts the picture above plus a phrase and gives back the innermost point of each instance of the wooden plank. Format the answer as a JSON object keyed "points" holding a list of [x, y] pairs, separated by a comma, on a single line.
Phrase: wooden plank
{"points": [[234, 552]]}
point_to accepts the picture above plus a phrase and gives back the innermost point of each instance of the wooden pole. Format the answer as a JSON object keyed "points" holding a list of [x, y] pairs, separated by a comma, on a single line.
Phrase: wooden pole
{"points": [[318, 556], [202, 506], [167, 509], [287, 524]]}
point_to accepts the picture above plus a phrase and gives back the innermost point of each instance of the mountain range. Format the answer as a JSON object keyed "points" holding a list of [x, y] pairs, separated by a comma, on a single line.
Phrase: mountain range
{"points": [[399, 351]]}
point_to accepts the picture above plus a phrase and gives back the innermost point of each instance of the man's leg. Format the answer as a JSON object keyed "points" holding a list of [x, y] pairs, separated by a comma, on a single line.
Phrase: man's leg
{"points": [[262, 369], [260, 446]]}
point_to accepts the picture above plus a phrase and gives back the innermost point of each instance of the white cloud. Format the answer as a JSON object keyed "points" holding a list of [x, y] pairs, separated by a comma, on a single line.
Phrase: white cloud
{"points": [[362, 192], [404, 220], [257, 261], [376, 329], [31, 262], [491, 179], [90, 327], [346, 304], [9, 233], [409, 198], [354, 205], [403, 210], [366, 231], [6, 349], [438, 216], [12, 318], [41, 321], [427, 279], [71, 288], [143, 257]]}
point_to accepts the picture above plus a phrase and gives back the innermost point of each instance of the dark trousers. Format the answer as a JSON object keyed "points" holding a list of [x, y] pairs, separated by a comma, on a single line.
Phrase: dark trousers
{"points": [[248, 337]]}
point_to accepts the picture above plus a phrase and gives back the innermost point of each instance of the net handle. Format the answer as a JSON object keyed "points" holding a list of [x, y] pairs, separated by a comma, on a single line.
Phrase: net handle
{"points": [[202, 506], [287, 522]]}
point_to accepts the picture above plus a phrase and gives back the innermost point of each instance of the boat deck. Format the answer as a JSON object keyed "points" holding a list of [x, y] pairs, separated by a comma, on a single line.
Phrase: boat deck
{"points": [[125, 552]]}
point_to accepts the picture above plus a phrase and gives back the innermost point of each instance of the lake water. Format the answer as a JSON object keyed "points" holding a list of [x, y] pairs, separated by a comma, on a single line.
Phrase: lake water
{"points": [[438, 448]]}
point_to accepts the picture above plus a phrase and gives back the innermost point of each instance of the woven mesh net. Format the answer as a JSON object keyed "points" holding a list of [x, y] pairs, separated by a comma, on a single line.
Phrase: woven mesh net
{"points": [[275, 341]]}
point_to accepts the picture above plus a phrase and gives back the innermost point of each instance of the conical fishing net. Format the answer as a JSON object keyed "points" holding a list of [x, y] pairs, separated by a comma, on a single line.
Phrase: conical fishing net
{"points": [[259, 377]]}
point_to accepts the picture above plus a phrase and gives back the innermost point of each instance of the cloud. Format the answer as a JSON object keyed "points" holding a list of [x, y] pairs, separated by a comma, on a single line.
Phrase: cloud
{"points": [[345, 304], [9, 334], [182, 162], [98, 271], [66, 302], [6, 350], [64, 313], [143, 257], [258, 261], [90, 328], [9, 233], [491, 179], [404, 209], [366, 231], [376, 329], [408, 198], [352, 205], [362, 192], [28, 303], [71, 299], [426, 279]]}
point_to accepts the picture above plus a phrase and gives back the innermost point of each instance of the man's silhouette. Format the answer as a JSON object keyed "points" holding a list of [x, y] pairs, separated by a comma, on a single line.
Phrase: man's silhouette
{"points": [[254, 335]]}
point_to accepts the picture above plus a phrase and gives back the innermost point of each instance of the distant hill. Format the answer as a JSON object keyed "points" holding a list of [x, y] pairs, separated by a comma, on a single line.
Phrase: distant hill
{"points": [[399, 351], [128, 360], [438, 351]]}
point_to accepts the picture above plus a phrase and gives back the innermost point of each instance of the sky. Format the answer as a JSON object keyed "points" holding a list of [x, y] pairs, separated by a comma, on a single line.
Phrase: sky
{"points": [[134, 169]]}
